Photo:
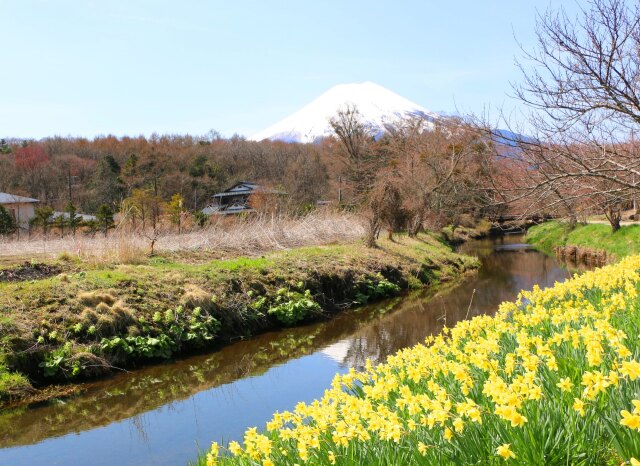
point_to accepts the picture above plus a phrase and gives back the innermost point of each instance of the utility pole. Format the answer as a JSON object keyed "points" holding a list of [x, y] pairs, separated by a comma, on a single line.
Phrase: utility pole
{"points": [[69, 184], [339, 190], [156, 207]]}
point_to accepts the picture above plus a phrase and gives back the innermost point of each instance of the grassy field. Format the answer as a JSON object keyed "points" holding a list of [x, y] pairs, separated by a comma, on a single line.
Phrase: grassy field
{"points": [[70, 319], [553, 378], [222, 237], [624, 242]]}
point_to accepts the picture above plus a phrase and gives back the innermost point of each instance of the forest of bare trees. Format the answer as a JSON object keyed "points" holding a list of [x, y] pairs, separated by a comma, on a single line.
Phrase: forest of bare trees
{"points": [[419, 173], [107, 170]]}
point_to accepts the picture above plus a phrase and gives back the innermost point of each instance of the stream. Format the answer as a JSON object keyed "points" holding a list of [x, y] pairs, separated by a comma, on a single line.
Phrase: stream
{"points": [[166, 413]]}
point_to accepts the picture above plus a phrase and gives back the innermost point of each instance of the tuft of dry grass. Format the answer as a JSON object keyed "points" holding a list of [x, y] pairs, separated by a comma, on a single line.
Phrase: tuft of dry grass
{"points": [[94, 298], [194, 296], [247, 236]]}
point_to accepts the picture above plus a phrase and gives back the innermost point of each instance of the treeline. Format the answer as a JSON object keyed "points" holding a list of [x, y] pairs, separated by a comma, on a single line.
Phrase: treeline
{"points": [[107, 170], [419, 172]]}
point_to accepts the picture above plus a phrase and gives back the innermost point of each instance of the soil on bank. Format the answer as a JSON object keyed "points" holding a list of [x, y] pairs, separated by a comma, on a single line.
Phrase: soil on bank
{"points": [[70, 321]]}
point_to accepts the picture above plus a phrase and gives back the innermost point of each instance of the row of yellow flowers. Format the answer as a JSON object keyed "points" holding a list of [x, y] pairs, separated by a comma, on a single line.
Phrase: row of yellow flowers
{"points": [[553, 378]]}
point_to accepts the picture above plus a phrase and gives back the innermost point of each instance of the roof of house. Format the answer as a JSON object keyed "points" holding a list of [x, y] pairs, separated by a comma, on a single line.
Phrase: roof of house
{"points": [[6, 198], [65, 215], [247, 187]]}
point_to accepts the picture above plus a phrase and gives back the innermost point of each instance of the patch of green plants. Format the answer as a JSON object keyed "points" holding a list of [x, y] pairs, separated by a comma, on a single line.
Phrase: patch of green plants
{"points": [[241, 263], [290, 307], [371, 289], [60, 362], [12, 384], [140, 347], [167, 334]]}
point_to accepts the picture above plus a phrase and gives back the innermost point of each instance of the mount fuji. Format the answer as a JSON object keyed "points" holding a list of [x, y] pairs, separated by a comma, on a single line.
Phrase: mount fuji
{"points": [[377, 106]]}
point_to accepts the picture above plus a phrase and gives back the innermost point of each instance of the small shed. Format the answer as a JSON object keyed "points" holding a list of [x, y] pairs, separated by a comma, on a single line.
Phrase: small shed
{"points": [[21, 208]]}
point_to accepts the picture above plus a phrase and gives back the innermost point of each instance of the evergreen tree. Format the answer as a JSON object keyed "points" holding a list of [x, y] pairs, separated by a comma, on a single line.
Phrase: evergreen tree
{"points": [[7, 222], [74, 220], [4, 147], [104, 216], [108, 187], [60, 222], [43, 218], [200, 218]]}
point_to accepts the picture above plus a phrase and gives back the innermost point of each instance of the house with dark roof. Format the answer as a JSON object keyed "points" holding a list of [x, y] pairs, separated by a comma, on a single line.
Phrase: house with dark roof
{"points": [[21, 208], [242, 197]]}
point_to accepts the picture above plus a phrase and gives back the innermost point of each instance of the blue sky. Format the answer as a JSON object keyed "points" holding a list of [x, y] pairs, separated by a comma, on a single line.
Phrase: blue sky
{"points": [[129, 67]]}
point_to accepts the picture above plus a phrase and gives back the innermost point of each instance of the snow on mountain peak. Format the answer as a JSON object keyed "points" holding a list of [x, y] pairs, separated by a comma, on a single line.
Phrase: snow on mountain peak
{"points": [[377, 106]]}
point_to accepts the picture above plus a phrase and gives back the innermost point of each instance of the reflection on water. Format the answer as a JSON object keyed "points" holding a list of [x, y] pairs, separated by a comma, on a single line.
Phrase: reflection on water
{"points": [[161, 414]]}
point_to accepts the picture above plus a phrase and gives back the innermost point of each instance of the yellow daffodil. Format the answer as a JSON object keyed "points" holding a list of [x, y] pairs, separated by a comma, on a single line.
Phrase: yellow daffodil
{"points": [[565, 384], [505, 452], [632, 421], [578, 405]]}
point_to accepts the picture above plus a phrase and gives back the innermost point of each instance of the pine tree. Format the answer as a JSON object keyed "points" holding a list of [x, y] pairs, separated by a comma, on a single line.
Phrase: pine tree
{"points": [[7, 222], [74, 219], [104, 215], [43, 218]]}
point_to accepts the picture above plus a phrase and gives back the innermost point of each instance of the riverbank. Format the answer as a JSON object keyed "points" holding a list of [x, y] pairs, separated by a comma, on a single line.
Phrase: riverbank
{"points": [[595, 237], [559, 363], [75, 321]]}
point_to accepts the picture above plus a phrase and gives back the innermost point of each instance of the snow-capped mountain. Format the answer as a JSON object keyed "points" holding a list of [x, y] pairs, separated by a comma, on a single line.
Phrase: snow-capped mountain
{"points": [[377, 106]]}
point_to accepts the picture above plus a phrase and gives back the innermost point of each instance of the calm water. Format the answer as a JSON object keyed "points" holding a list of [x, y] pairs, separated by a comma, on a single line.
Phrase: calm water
{"points": [[162, 415]]}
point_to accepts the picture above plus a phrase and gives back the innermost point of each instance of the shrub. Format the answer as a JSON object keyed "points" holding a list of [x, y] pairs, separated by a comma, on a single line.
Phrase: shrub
{"points": [[7, 222], [377, 288]]}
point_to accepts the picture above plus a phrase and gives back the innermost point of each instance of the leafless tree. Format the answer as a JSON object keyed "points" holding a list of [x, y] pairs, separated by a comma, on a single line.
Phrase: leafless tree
{"points": [[360, 165], [582, 84], [439, 167], [356, 138]]}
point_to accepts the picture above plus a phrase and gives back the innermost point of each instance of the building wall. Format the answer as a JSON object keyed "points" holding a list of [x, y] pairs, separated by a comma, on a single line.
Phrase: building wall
{"points": [[22, 212]]}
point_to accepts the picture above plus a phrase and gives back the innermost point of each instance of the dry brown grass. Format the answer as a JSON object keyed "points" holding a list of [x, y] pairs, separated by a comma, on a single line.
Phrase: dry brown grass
{"points": [[225, 236]]}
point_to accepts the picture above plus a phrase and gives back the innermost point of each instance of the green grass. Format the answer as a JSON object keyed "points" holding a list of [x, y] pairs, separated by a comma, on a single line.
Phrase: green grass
{"points": [[12, 383], [622, 243]]}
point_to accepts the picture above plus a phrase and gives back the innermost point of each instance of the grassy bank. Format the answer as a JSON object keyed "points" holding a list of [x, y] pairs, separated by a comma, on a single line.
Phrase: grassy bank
{"points": [[472, 230], [75, 320], [553, 378], [597, 236]]}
